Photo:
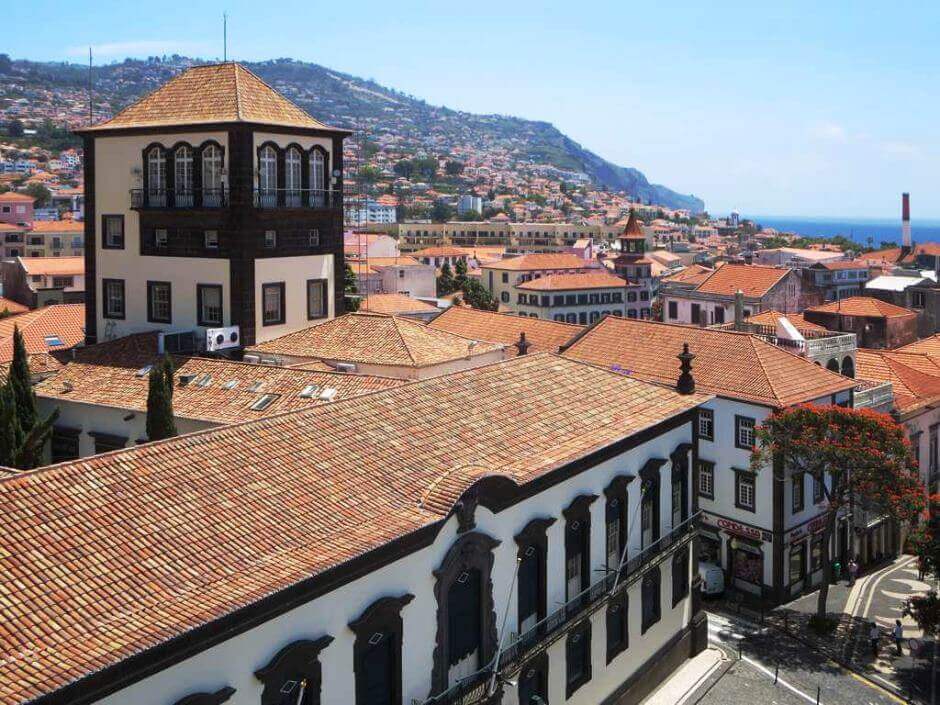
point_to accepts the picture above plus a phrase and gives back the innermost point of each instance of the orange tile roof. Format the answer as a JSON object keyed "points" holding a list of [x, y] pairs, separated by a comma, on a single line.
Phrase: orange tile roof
{"points": [[66, 321], [633, 231], [863, 306], [444, 251], [58, 226], [930, 345], [376, 339], [752, 279], [914, 377], [10, 196], [539, 261], [53, 265], [395, 304], [572, 282], [842, 264], [10, 306], [730, 364], [100, 378], [770, 318], [111, 556], [217, 93], [543, 335]]}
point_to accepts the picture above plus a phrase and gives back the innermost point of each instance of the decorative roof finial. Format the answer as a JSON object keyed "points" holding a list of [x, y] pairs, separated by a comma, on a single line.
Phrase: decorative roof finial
{"points": [[686, 382], [522, 345]]}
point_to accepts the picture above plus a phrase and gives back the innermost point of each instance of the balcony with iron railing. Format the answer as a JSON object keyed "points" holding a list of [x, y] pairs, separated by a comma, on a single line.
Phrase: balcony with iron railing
{"points": [[297, 198], [816, 344], [518, 648], [179, 198]]}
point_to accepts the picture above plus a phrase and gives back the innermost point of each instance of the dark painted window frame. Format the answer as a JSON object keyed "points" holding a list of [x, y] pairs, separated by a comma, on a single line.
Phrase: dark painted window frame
{"points": [[578, 527], [282, 295], [737, 430], [581, 633], [105, 217], [380, 620], [151, 317], [652, 577], [708, 414], [535, 536], [738, 476], [200, 290], [325, 285], [616, 492], [104, 299], [680, 579], [619, 602], [296, 661]]}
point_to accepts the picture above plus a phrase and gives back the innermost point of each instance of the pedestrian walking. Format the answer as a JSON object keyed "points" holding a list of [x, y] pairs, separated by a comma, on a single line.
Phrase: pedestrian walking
{"points": [[921, 568], [853, 571], [898, 635], [874, 635], [836, 571]]}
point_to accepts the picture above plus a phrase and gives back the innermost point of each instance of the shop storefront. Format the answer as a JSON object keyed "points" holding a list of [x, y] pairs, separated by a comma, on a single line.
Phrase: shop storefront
{"points": [[806, 557], [740, 549]]}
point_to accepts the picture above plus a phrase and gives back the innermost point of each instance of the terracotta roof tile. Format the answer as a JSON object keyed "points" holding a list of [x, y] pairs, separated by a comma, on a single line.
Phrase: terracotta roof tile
{"points": [[930, 345], [914, 377], [863, 306], [217, 93], [633, 231], [10, 196], [694, 274], [753, 280], [65, 321], [109, 377], [544, 336], [12, 307], [58, 226], [376, 339], [539, 261], [53, 265], [110, 556], [393, 304], [571, 282], [730, 364]]}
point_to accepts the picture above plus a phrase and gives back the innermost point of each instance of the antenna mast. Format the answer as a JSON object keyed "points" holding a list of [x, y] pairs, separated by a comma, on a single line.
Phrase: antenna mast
{"points": [[224, 36], [91, 109]]}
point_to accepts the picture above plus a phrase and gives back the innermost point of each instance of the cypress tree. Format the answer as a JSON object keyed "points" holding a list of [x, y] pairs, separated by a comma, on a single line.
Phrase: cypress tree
{"points": [[445, 282], [460, 280], [22, 443], [21, 383], [160, 422]]}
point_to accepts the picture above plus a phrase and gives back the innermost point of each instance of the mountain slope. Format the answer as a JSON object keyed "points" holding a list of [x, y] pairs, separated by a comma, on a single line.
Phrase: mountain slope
{"points": [[348, 101]]}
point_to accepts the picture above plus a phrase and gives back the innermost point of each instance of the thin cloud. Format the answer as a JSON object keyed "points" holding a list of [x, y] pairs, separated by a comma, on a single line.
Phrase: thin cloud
{"points": [[831, 132]]}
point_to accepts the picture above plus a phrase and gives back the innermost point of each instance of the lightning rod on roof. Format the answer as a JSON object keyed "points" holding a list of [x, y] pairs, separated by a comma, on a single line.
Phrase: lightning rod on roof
{"points": [[224, 36], [91, 110]]}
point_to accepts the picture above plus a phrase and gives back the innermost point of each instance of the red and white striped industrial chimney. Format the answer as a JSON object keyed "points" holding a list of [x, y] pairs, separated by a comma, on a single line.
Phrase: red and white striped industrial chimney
{"points": [[906, 220]]}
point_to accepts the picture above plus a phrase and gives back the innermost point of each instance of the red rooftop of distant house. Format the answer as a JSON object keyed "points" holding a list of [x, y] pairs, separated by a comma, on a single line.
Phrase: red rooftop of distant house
{"points": [[571, 282], [866, 306], [751, 279]]}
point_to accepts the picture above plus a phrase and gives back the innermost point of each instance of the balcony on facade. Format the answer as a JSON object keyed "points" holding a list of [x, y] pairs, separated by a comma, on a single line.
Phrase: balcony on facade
{"points": [[178, 199], [874, 395], [517, 649], [297, 198]]}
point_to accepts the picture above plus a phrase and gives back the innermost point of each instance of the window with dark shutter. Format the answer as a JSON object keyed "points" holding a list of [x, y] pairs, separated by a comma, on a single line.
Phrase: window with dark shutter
{"points": [[378, 673], [463, 611], [650, 595], [528, 589], [617, 631], [578, 658], [680, 576], [533, 682]]}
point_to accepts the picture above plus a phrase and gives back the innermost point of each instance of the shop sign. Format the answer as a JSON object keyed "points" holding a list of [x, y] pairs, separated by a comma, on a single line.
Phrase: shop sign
{"points": [[813, 527], [733, 527]]}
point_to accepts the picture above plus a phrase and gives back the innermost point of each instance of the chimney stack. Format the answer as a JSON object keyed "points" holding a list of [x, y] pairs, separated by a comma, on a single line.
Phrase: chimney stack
{"points": [[686, 383], [906, 221], [739, 310]]}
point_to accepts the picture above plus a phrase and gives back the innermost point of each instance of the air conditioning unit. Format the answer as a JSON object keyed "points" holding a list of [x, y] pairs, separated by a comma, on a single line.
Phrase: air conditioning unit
{"points": [[223, 338]]}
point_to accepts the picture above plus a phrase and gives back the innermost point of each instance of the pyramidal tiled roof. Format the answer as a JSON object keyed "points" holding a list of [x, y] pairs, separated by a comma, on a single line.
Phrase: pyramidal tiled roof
{"points": [[730, 364], [377, 339], [210, 94], [633, 231]]}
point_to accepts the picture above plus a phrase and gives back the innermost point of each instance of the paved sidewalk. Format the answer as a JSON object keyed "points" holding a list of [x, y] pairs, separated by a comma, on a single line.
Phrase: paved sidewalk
{"points": [[689, 679]]}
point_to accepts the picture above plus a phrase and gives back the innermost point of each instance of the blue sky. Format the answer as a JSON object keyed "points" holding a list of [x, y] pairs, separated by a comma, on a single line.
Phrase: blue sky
{"points": [[791, 108]]}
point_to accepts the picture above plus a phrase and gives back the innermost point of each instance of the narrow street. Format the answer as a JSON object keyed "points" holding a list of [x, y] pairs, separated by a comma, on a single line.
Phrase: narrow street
{"points": [[757, 656]]}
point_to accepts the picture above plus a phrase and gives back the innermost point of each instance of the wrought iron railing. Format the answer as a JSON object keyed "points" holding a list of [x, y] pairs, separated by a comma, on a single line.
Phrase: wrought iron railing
{"points": [[297, 198], [179, 198], [475, 687]]}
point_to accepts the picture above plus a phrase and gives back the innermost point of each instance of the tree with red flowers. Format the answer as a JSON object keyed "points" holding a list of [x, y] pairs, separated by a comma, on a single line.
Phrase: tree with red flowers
{"points": [[857, 455]]}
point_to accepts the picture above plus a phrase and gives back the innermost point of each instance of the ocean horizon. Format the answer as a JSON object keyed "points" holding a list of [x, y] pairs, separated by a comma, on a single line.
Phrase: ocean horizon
{"points": [[865, 231]]}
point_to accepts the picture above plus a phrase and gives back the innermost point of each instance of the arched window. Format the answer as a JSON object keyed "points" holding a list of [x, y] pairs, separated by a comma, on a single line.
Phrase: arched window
{"points": [[212, 176], [267, 176], [317, 178], [183, 173], [848, 367], [292, 177], [156, 177], [833, 365]]}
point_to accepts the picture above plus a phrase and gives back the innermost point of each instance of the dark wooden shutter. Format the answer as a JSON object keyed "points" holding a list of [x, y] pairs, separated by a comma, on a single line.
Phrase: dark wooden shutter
{"points": [[463, 610], [529, 586], [379, 662]]}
